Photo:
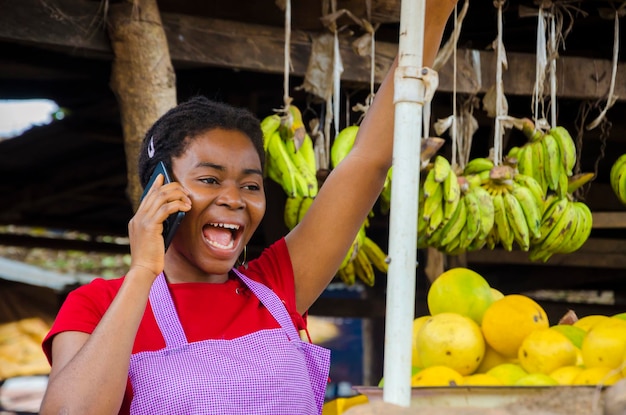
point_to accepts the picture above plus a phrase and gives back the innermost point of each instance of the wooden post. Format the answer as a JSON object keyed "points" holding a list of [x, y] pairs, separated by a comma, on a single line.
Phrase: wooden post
{"points": [[142, 76]]}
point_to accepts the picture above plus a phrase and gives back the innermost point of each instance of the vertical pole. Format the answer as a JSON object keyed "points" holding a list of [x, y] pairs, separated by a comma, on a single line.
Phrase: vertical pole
{"points": [[409, 104]]}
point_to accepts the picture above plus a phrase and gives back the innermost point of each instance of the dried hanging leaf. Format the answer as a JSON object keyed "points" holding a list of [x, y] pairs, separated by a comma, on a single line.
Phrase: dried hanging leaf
{"points": [[443, 124], [318, 79]]}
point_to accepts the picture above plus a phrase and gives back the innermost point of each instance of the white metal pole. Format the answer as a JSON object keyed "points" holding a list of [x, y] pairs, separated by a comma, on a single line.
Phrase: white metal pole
{"points": [[409, 102]]}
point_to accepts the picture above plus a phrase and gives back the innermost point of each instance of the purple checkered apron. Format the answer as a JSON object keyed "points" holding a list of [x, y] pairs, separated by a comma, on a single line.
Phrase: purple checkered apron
{"points": [[271, 371]]}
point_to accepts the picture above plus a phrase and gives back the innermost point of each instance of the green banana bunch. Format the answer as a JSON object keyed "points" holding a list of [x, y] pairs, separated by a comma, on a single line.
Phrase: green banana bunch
{"points": [[565, 226], [518, 205], [295, 208], [342, 144], [282, 169], [289, 153], [547, 157], [618, 178]]}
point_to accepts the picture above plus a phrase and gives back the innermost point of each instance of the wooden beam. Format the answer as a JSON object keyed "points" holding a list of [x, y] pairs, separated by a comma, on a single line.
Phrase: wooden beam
{"points": [[75, 27], [595, 253], [609, 220]]}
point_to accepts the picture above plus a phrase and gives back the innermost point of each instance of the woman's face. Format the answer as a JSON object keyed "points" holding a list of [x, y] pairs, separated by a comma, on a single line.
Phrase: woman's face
{"points": [[222, 171]]}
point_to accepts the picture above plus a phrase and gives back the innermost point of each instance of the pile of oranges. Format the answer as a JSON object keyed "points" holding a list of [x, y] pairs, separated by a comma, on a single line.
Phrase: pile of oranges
{"points": [[475, 335]]}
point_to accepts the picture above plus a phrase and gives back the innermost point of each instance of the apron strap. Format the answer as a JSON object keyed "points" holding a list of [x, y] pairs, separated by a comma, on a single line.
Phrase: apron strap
{"points": [[165, 313], [273, 304]]}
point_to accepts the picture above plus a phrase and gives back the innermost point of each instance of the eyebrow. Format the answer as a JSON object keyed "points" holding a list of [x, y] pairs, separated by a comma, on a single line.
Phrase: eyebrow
{"points": [[221, 168]]}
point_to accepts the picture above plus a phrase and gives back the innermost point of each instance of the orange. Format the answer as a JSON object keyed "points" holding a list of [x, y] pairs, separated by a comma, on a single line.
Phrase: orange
{"points": [[597, 376], [509, 320], [451, 340], [565, 375], [546, 350], [437, 376], [417, 325], [490, 360], [481, 379], [587, 322], [605, 344], [460, 290], [507, 373]]}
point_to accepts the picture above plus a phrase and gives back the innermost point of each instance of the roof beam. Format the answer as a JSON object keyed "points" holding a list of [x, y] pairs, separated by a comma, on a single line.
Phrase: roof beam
{"points": [[76, 27]]}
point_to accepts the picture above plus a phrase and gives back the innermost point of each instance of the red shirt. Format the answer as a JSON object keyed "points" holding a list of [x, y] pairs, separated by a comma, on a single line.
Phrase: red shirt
{"points": [[206, 311]]}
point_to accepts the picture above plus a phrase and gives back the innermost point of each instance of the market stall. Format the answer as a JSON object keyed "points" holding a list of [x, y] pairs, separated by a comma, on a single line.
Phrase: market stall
{"points": [[510, 182]]}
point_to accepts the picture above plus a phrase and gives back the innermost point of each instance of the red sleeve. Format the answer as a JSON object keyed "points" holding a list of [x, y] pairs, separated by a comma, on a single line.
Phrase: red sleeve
{"points": [[83, 309], [273, 269]]}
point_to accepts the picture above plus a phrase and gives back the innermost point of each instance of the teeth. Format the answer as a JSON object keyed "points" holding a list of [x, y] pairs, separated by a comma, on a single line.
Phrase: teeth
{"points": [[226, 226], [218, 245]]}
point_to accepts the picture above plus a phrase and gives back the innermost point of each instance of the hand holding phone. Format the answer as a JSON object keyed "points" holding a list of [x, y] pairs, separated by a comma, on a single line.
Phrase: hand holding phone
{"points": [[171, 223]]}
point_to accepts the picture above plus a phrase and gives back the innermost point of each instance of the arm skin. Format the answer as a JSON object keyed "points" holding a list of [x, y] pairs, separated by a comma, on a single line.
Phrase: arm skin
{"points": [[73, 389], [319, 243]]}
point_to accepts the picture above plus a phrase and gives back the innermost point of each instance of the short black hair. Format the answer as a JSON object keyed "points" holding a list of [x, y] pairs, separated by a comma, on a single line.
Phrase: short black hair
{"points": [[170, 134]]}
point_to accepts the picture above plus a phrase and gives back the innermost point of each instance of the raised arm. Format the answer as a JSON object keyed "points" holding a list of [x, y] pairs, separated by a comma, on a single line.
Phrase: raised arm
{"points": [[319, 243]]}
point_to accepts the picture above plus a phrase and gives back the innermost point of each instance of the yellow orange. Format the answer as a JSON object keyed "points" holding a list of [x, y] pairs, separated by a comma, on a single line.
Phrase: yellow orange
{"points": [[451, 340], [546, 350], [437, 376], [508, 321], [460, 290]]}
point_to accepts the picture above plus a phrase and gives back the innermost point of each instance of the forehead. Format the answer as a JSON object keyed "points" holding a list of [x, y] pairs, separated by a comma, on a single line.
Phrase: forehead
{"points": [[221, 145]]}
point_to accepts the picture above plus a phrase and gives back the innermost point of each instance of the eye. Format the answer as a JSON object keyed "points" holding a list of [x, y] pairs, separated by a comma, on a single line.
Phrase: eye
{"points": [[252, 187], [209, 180]]}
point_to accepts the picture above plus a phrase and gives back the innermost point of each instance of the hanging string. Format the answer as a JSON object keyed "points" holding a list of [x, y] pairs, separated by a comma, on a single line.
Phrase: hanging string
{"points": [[540, 67], [501, 59], [455, 131], [287, 63], [553, 57]]}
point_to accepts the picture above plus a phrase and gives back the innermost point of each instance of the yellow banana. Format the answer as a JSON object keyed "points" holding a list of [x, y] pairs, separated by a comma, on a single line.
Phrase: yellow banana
{"points": [[553, 164], [562, 224], [525, 160], [375, 254], [555, 208], [583, 230], [304, 207], [566, 146], [284, 171], [432, 202], [454, 226], [347, 273], [473, 221], [436, 219], [363, 268], [477, 165], [441, 168], [531, 184], [578, 180], [430, 186], [269, 125], [301, 163], [539, 164], [618, 168], [621, 186], [291, 211], [451, 195], [342, 144], [530, 208], [517, 221], [308, 152], [502, 227], [485, 203]]}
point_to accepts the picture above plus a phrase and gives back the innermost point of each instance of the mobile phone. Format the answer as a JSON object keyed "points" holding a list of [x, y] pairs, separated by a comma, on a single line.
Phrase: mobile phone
{"points": [[171, 223]]}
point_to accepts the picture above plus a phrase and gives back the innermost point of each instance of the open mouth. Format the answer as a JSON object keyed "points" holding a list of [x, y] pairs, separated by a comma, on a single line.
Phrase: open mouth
{"points": [[221, 235]]}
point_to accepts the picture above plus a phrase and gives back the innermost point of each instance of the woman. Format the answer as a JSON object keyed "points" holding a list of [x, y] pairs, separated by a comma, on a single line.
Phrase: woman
{"points": [[184, 331]]}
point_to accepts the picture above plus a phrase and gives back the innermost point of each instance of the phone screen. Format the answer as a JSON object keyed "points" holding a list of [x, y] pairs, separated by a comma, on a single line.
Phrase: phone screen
{"points": [[171, 223]]}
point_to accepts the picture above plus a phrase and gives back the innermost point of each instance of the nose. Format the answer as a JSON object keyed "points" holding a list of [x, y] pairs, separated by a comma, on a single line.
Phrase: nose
{"points": [[230, 196]]}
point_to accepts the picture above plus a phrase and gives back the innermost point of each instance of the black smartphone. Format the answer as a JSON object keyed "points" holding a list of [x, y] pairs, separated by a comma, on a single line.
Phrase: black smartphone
{"points": [[171, 223]]}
